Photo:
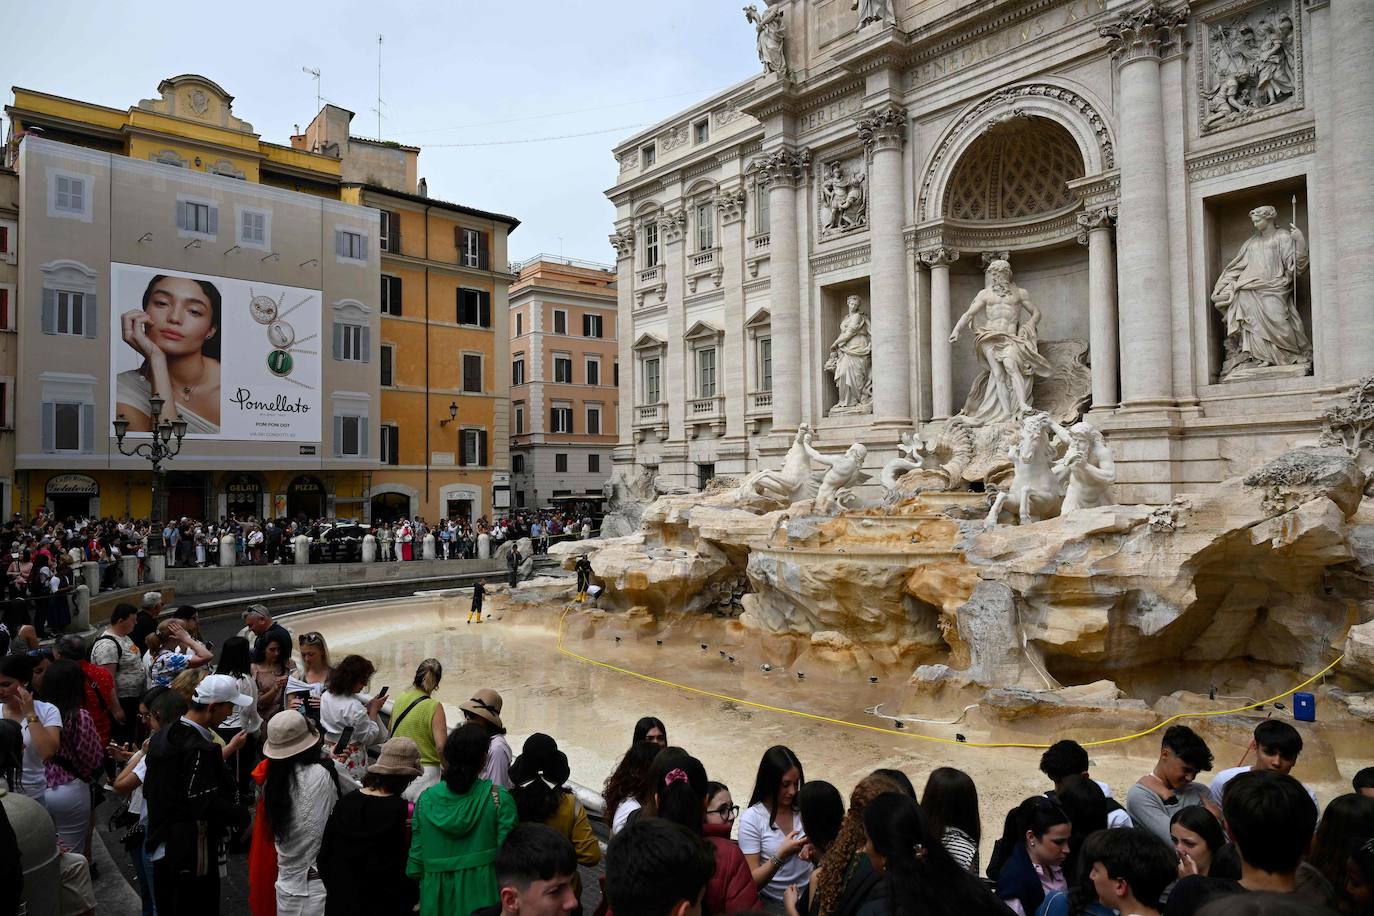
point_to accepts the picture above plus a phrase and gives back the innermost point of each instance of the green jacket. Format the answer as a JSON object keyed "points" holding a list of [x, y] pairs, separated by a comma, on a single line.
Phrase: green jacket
{"points": [[454, 839]]}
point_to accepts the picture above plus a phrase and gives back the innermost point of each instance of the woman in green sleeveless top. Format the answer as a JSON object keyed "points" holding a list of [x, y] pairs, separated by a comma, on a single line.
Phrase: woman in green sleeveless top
{"points": [[417, 715]]}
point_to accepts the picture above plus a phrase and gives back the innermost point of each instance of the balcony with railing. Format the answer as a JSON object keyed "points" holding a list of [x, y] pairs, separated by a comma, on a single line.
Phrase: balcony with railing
{"points": [[702, 260], [705, 409], [651, 276], [759, 243], [760, 403], [651, 415]]}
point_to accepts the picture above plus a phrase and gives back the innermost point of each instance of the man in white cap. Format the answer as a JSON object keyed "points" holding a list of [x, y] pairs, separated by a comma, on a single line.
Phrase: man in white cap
{"points": [[192, 802]]}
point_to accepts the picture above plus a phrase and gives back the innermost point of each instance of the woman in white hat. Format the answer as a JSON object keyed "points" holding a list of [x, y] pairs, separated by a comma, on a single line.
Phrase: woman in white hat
{"points": [[367, 840], [298, 797]]}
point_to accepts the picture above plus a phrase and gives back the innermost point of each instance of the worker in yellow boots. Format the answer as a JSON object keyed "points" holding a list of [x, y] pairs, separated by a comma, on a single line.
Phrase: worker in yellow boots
{"points": [[584, 578]]}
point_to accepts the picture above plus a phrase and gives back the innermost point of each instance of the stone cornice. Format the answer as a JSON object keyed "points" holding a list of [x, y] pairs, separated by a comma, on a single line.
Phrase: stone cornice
{"points": [[883, 127], [1054, 229], [836, 260], [1098, 190], [871, 50], [1253, 154]]}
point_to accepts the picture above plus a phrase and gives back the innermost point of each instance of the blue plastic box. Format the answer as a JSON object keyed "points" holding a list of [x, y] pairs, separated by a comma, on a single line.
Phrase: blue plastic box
{"points": [[1304, 707]]}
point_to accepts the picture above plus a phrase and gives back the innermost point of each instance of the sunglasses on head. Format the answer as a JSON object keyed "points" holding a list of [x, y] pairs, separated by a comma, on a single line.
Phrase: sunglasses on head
{"points": [[311, 639]]}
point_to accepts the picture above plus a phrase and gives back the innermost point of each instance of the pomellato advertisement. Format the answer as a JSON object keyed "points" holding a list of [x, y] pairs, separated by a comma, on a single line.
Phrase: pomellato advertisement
{"points": [[237, 359]]}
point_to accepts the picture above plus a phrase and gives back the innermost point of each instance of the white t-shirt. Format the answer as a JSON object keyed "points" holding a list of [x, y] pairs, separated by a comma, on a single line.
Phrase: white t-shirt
{"points": [[1220, 780], [757, 836], [622, 814], [34, 779], [136, 805]]}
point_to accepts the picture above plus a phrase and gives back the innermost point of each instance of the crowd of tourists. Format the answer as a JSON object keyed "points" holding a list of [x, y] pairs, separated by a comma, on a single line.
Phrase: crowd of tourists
{"points": [[269, 746]]}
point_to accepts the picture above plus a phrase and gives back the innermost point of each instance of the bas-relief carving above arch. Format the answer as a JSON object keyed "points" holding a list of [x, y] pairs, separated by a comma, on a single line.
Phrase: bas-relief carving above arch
{"points": [[1071, 106]]}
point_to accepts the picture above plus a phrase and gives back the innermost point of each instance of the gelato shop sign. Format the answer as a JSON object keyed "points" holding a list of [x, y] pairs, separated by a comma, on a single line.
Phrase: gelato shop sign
{"points": [[72, 485]]}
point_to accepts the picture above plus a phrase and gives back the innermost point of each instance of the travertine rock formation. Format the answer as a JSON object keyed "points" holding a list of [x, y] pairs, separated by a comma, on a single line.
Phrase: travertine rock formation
{"points": [[1263, 568]]}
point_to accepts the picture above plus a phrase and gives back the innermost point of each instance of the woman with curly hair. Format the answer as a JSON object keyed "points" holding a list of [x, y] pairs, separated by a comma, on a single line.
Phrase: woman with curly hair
{"points": [[845, 878], [344, 704], [627, 788]]}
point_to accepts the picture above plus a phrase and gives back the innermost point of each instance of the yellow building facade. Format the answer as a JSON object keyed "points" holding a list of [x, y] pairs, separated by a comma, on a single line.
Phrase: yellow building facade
{"points": [[445, 395]]}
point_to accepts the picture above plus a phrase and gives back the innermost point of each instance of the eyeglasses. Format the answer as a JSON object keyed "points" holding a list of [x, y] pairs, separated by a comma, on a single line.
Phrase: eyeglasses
{"points": [[725, 812]]}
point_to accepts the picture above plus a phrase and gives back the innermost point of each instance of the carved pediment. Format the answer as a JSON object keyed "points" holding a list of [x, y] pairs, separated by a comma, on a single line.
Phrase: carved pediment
{"points": [[703, 330], [647, 341], [196, 98]]}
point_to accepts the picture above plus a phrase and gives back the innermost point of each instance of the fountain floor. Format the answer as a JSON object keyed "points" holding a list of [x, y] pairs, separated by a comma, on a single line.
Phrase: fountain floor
{"points": [[591, 710]]}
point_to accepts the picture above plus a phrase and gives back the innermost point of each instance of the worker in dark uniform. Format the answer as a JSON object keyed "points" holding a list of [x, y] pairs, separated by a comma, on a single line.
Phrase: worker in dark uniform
{"points": [[584, 578], [513, 564], [479, 592]]}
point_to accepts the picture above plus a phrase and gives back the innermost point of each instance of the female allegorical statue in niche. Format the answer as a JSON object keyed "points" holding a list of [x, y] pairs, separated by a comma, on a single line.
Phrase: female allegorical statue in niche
{"points": [[1255, 294], [851, 361]]}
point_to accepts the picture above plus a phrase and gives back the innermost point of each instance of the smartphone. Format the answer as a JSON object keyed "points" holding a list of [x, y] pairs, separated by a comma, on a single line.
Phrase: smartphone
{"points": [[345, 737], [383, 693]]}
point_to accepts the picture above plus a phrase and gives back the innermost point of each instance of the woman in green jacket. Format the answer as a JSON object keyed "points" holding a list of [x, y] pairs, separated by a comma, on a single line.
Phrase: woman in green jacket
{"points": [[458, 826]]}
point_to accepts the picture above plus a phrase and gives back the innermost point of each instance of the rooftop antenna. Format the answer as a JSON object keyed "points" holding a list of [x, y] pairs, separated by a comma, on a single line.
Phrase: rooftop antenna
{"points": [[315, 72], [378, 109]]}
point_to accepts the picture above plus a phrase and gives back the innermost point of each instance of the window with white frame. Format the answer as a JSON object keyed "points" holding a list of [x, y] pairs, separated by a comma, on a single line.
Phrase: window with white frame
{"points": [[593, 368], [350, 245], [706, 372], [254, 228], [591, 325], [519, 419], [706, 226], [519, 324], [653, 380], [197, 217], [351, 342], [389, 233], [473, 248], [761, 219], [69, 196], [474, 307], [701, 131], [72, 424], [593, 419], [650, 235], [562, 369], [561, 417], [472, 373], [765, 364], [648, 155], [473, 448], [560, 321], [517, 369]]}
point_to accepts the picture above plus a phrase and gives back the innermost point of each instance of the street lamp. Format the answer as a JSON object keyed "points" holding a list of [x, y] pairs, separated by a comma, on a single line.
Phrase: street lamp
{"points": [[452, 414], [157, 448]]}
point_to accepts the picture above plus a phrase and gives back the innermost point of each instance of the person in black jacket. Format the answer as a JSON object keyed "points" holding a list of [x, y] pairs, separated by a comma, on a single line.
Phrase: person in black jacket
{"points": [[584, 578], [513, 560], [192, 802]]}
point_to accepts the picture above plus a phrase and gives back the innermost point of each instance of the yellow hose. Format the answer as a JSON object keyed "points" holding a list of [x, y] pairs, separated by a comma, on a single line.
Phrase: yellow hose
{"points": [[903, 733]]}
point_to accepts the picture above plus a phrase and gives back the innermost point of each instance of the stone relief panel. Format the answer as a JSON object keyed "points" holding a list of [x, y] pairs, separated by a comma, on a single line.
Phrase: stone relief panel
{"points": [[843, 197], [673, 138], [1250, 63]]}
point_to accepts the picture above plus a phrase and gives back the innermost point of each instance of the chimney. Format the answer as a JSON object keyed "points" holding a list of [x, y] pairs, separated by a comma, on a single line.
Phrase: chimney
{"points": [[423, 189]]}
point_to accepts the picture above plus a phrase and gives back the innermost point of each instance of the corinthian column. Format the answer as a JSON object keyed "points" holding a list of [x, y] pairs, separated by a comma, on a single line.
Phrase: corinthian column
{"points": [[941, 360], [623, 241], [1352, 138], [782, 170], [1143, 246], [1095, 231], [730, 205], [883, 131]]}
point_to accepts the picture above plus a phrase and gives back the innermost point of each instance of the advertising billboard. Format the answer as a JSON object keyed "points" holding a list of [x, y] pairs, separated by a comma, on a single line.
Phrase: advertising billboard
{"points": [[237, 359]]}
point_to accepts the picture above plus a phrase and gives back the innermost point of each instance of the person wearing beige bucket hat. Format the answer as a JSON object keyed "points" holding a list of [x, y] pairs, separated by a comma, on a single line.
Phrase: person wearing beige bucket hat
{"points": [[298, 797], [363, 857], [484, 709]]}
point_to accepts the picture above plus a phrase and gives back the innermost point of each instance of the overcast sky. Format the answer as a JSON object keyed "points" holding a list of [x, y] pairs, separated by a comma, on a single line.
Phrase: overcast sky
{"points": [[450, 71]]}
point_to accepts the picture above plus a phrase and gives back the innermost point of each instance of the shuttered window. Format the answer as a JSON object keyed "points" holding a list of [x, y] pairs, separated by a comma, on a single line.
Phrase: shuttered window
{"points": [[69, 312], [391, 232], [198, 217], [5, 322], [472, 373], [391, 295], [474, 307], [593, 421], [69, 194], [473, 248], [68, 427], [350, 245], [474, 448], [591, 325], [352, 342], [350, 437], [391, 445], [387, 357]]}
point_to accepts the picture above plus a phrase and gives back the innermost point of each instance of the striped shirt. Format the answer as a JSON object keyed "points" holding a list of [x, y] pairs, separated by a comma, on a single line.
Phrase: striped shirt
{"points": [[962, 848]]}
